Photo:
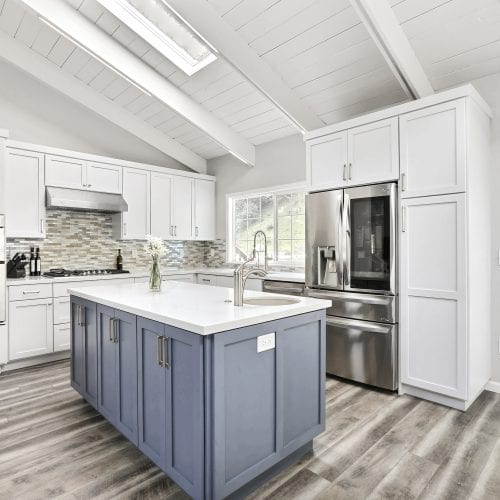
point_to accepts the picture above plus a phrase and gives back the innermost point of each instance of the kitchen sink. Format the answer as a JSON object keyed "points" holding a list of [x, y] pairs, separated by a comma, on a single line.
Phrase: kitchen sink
{"points": [[264, 301]]}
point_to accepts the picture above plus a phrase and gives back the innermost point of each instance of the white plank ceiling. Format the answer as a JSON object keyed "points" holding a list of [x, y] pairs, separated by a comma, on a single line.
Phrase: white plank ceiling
{"points": [[456, 41], [319, 48]]}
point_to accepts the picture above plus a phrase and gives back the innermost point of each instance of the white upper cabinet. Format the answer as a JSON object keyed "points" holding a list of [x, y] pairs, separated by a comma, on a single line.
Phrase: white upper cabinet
{"points": [[204, 209], [103, 177], [24, 194], [75, 173], [135, 223], [62, 171], [373, 152], [360, 155], [161, 189], [433, 267], [326, 159], [433, 150], [182, 208]]}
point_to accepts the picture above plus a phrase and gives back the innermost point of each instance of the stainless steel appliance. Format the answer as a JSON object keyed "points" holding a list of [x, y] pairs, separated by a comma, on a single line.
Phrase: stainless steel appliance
{"points": [[3, 284], [62, 273], [351, 260]]}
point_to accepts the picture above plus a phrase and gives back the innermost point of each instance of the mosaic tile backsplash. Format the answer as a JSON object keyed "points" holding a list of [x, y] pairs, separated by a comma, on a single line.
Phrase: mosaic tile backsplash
{"points": [[80, 240]]}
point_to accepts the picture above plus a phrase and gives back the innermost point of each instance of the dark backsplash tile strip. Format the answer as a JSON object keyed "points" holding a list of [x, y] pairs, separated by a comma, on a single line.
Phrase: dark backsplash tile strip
{"points": [[79, 240]]}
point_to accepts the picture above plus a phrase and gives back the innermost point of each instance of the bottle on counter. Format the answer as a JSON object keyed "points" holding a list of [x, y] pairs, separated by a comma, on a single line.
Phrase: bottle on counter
{"points": [[38, 262], [32, 262], [119, 260]]}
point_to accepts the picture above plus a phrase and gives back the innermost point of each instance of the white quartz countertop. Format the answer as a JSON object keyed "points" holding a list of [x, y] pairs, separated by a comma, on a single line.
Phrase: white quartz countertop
{"points": [[218, 271], [200, 309]]}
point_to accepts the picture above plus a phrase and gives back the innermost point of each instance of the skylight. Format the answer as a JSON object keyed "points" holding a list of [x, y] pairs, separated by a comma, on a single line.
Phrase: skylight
{"points": [[153, 21]]}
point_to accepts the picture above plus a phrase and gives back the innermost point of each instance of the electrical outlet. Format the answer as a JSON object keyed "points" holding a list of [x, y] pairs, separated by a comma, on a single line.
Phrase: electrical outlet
{"points": [[266, 342], [212, 252], [134, 253]]}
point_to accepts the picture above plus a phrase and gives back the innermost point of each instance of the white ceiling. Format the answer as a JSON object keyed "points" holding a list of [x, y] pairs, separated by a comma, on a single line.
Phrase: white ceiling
{"points": [[319, 48]]}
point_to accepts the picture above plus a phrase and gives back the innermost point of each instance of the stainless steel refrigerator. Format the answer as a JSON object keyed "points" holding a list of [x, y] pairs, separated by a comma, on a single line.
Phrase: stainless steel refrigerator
{"points": [[351, 256]]}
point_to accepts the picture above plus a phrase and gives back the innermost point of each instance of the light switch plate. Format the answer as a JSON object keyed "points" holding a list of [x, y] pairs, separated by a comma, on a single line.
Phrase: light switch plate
{"points": [[266, 342]]}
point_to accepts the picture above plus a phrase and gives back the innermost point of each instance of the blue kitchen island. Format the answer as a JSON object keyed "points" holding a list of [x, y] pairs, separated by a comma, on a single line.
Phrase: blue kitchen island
{"points": [[219, 397]]}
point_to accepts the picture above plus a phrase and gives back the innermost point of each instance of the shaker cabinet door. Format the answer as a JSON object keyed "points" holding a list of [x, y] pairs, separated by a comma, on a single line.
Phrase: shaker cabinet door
{"points": [[152, 391], [108, 397], [373, 152], [65, 172], [182, 208], [433, 294], [25, 196], [204, 209], [161, 192], [103, 177], [136, 191], [30, 328], [433, 150], [326, 159]]}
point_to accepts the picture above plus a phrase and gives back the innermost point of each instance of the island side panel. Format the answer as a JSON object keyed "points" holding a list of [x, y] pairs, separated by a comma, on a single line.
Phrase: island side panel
{"points": [[257, 417]]}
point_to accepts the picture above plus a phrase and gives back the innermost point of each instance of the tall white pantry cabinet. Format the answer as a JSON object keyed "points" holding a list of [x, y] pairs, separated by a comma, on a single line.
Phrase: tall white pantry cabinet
{"points": [[442, 143]]}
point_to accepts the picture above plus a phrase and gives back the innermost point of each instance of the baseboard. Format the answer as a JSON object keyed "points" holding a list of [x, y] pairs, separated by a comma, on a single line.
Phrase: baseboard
{"points": [[493, 386], [38, 360]]}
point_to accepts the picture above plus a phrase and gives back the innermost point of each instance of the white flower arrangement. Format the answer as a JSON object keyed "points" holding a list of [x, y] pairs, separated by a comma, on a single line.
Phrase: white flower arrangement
{"points": [[154, 247]]}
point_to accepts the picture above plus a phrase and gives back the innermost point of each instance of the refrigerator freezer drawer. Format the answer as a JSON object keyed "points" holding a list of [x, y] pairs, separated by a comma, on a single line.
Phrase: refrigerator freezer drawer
{"points": [[362, 351]]}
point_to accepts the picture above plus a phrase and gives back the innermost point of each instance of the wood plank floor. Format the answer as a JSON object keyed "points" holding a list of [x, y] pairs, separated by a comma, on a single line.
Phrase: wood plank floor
{"points": [[376, 445]]}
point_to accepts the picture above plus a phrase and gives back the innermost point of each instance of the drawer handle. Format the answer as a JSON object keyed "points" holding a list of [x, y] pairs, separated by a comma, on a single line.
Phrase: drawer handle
{"points": [[159, 351], [166, 360], [30, 292]]}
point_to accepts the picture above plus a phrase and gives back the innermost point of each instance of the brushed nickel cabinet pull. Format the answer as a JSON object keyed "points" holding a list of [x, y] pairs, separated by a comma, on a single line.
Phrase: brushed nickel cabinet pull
{"points": [[111, 327], [343, 173], [159, 353], [403, 178], [166, 360], [350, 171], [115, 330]]}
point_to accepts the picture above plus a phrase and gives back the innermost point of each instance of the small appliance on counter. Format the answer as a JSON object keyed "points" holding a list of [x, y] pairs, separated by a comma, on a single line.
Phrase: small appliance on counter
{"points": [[16, 267]]}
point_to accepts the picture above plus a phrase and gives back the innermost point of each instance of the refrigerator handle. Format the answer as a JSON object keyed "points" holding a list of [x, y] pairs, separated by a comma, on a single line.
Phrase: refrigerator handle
{"points": [[339, 247], [347, 247]]}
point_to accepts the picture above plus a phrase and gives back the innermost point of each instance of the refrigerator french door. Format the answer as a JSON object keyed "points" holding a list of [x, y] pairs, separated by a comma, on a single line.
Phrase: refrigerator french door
{"points": [[351, 260]]}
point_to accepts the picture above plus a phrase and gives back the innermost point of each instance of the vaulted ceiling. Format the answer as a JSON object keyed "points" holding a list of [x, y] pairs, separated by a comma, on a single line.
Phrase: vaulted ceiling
{"points": [[283, 66]]}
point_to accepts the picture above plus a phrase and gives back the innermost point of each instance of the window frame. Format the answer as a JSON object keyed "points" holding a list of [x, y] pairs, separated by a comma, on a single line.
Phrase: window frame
{"points": [[272, 191]]}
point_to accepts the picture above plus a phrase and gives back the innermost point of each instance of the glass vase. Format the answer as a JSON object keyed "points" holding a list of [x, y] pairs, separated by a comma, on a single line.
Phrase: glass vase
{"points": [[155, 276]]}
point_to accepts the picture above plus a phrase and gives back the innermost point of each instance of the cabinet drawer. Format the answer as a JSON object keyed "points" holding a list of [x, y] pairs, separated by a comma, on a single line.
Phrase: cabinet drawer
{"points": [[188, 278], [62, 336], [207, 279], [61, 289], [25, 292], [61, 310]]}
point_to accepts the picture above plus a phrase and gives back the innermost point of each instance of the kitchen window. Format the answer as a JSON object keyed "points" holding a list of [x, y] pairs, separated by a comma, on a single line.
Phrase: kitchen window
{"points": [[280, 214]]}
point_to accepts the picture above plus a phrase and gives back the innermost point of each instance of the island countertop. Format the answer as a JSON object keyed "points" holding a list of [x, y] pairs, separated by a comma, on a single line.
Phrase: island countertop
{"points": [[201, 309]]}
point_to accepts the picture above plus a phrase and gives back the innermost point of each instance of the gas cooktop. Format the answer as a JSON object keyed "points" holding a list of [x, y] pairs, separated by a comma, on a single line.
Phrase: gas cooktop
{"points": [[61, 273]]}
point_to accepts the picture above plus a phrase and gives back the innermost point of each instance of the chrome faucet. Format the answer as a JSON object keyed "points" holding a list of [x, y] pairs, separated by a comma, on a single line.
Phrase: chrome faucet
{"points": [[240, 278], [265, 247]]}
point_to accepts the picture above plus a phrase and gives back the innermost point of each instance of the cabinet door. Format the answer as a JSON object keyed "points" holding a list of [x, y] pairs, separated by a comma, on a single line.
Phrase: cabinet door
{"points": [[90, 386], [77, 347], [103, 177], [25, 196], [126, 376], [152, 391], [136, 191], [185, 411], [66, 172], [62, 337], [204, 209], [326, 159], [373, 152], [30, 328], [108, 399], [161, 188], [433, 294], [433, 150], [182, 208]]}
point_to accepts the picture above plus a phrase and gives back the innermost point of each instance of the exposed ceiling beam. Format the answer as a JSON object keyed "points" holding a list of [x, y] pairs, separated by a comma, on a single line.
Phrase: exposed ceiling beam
{"points": [[205, 21], [76, 27], [37, 66], [385, 30]]}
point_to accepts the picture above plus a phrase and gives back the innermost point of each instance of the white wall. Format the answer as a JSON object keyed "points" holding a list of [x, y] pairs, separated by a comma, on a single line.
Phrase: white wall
{"points": [[35, 113], [489, 88], [276, 163]]}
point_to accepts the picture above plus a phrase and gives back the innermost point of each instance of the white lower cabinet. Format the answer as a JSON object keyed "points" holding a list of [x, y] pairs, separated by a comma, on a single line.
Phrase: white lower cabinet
{"points": [[186, 278], [62, 337], [433, 294], [30, 328]]}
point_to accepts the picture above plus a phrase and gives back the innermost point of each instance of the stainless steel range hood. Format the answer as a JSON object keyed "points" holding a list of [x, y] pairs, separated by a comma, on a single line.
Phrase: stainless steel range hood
{"points": [[89, 201]]}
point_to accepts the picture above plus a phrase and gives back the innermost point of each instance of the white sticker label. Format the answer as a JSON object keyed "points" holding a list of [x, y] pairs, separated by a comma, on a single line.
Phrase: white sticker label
{"points": [[266, 342]]}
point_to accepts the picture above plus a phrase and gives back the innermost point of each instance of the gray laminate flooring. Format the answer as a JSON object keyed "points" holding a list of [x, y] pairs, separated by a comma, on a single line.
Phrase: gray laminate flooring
{"points": [[376, 445]]}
